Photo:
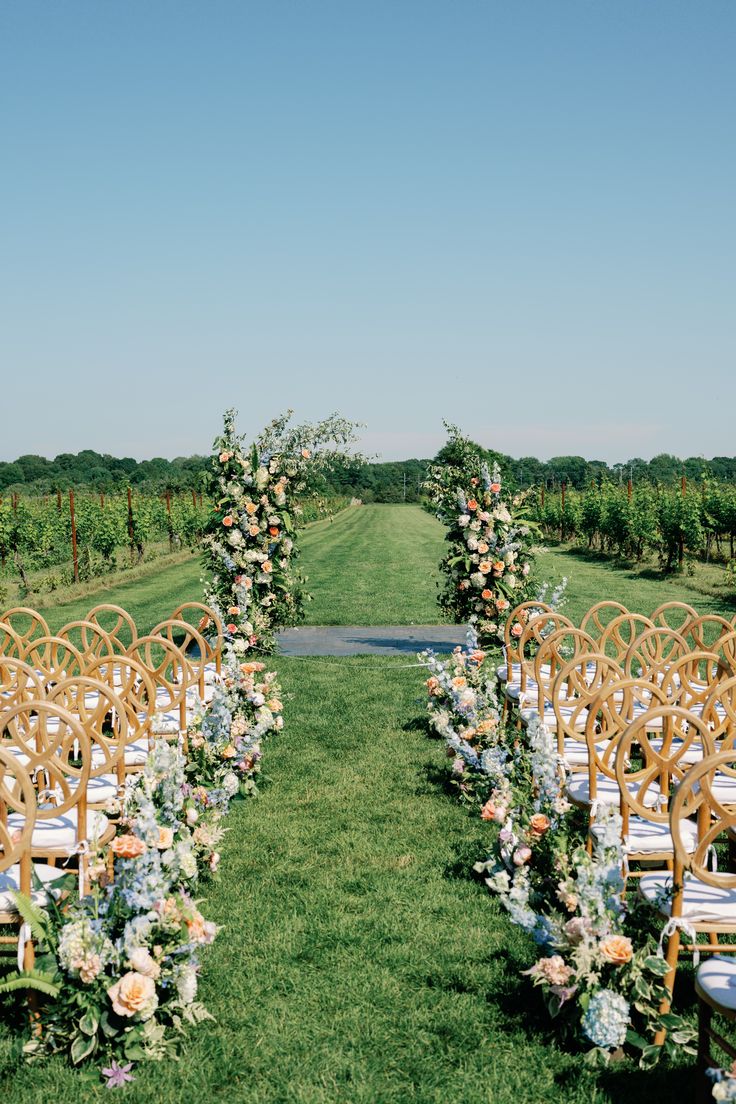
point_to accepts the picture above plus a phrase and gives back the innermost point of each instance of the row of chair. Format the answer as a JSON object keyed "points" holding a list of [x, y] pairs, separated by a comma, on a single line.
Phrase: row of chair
{"points": [[644, 713], [79, 710]]}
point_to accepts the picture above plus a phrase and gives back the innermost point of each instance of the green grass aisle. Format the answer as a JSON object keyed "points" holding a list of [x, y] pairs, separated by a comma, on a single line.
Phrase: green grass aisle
{"points": [[373, 565], [359, 963]]}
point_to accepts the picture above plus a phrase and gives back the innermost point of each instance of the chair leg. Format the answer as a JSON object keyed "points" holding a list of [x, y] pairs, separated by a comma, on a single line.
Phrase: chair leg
{"points": [[673, 950]]}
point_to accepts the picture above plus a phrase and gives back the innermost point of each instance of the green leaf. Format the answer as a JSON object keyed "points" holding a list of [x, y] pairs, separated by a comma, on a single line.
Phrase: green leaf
{"points": [[650, 1056], [30, 979], [89, 1023], [82, 1047], [656, 965]]}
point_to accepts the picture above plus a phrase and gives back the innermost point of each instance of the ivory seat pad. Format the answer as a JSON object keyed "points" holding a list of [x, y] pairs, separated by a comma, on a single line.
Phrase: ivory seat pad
{"points": [[715, 981], [60, 832], [607, 791], [10, 880], [550, 718], [575, 752], [135, 753], [701, 903], [652, 836]]}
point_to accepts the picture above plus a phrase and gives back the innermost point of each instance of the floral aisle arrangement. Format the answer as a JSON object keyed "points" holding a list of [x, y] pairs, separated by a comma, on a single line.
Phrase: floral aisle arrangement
{"points": [[488, 566], [250, 544], [119, 949], [597, 960]]}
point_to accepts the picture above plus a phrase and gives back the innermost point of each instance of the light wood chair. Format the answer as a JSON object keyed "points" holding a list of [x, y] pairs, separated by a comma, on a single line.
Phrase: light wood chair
{"points": [[117, 623], [17, 800], [26, 623]]}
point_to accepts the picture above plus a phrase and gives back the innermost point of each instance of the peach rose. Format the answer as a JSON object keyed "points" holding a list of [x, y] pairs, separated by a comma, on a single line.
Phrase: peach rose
{"points": [[306, 453], [204, 622], [616, 949], [132, 994], [482, 547], [539, 824], [498, 567], [472, 504], [224, 457], [228, 752], [142, 962], [165, 838], [234, 611], [484, 566], [459, 681], [495, 488], [250, 508], [488, 812], [231, 628], [200, 930], [128, 846], [516, 630], [267, 566], [254, 530], [227, 521], [486, 594]]}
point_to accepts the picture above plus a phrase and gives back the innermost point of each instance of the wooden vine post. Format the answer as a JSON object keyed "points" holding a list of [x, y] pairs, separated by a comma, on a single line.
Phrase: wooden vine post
{"points": [[131, 530], [58, 499], [75, 559], [629, 490], [563, 496], [168, 521]]}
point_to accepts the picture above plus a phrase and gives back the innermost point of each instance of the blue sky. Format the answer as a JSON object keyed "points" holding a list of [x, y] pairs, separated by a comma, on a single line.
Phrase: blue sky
{"points": [[514, 215]]}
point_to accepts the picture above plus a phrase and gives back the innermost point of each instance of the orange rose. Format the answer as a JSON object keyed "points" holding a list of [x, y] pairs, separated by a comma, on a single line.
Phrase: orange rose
{"points": [[227, 521], [498, 567], [472, 504], [306, 453], [228, 752], [539, 824], [234, 611], [204, 622], [616, 949], [459, 681], [495, 487], [486, 594], [250, 508], [231, 628], [128, 846], [488, 811], [274, 530]]}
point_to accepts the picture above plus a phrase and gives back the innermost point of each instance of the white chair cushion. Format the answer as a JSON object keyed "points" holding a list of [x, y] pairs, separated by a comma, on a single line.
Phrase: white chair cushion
{"points": [[60, 832], [10, 880], [647, 836], [136, 753], [607, 791], [701, 903], [716, 981]]}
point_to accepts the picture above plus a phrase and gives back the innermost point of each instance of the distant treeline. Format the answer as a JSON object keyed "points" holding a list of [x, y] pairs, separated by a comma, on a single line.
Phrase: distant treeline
{"points": [[395, 481]]}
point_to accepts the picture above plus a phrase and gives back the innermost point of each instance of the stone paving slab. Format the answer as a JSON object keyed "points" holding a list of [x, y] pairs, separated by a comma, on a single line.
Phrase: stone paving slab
{"points": [[347, 640]]}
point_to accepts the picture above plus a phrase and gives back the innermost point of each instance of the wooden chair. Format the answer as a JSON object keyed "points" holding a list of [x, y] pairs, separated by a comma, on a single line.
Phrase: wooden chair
{"points": [[577, 685], [536, 631], [193, 650], [695, 897], [105, 720], [11, 642], [513, 630], [117, 623], [554, 653], [54, 658], [26, 623], [88, 638], [652, 652], [620, 633], [18, 800], [646, 769], [674, 615], [599, 616], [51, 743], [209, 625], [18, 682], [136, 689]]}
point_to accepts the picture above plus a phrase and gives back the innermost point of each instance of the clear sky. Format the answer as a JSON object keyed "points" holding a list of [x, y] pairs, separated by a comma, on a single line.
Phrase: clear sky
{"points": [[515, 215]]}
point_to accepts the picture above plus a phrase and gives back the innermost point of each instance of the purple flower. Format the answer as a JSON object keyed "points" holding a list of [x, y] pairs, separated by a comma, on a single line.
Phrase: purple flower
{"points": [[117, 1075]]}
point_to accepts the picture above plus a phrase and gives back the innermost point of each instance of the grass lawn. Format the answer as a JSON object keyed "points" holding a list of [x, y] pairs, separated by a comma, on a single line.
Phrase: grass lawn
{"points": [[359, 962], [373, 565], [593, 577], [149, 599]]}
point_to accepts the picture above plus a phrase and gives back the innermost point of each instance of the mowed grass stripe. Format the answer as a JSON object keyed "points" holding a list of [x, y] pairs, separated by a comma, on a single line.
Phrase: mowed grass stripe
{"points": [[358, 962], [374, 565]]}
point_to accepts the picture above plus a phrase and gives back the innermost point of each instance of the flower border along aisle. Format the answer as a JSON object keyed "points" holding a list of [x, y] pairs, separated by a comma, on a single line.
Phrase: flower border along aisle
{"points": [[488, 567], [250, 543], [117, 963], [600, 969]]}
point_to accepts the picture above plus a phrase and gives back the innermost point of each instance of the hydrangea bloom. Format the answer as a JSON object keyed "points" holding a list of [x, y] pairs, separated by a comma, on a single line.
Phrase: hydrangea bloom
{"points": [[606, 1020]]}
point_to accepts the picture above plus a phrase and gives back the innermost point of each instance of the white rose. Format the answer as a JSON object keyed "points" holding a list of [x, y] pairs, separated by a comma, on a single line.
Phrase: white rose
{"points": [[141, 961], [463, 520]]}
